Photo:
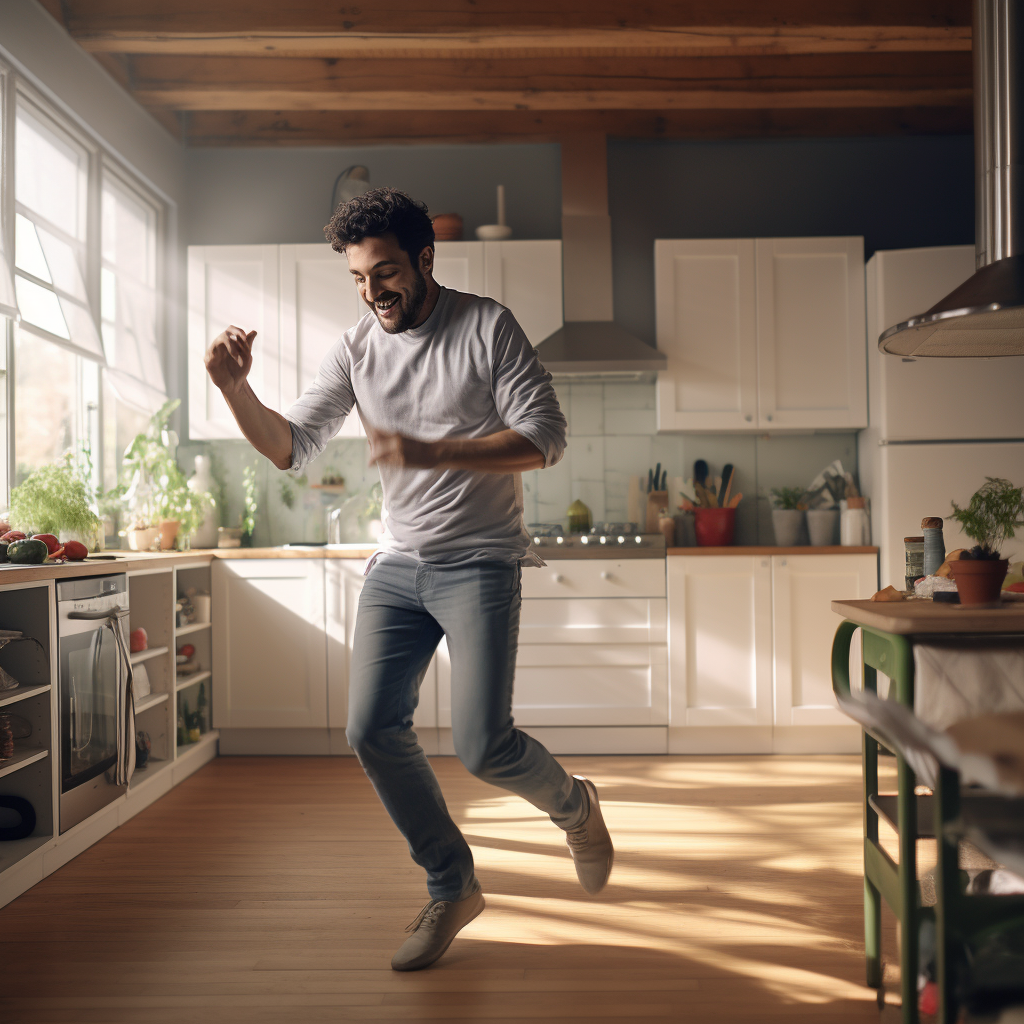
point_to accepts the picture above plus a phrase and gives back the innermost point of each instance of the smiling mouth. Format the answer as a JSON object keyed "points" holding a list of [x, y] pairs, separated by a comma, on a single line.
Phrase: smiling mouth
{"points": [[383, 305]]}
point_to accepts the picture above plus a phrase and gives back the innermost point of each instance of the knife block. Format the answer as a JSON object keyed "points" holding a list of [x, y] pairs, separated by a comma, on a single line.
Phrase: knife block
{"points": [[656, 501]]}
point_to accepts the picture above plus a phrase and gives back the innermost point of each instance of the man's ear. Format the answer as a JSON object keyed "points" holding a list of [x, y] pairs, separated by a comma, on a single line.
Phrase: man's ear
{"points": [[427, 259]]}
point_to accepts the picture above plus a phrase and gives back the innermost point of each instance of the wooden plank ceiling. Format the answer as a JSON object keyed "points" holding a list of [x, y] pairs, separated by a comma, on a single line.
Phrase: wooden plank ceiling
{"points": [[310, 72]]}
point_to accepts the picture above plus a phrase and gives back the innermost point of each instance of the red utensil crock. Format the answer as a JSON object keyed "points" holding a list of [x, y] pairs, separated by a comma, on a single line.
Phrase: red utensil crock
{"points": [[715, 527]]}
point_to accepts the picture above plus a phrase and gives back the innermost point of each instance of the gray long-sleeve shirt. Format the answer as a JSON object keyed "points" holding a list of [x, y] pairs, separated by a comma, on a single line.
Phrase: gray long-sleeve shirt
{"points": [[468, 371]]}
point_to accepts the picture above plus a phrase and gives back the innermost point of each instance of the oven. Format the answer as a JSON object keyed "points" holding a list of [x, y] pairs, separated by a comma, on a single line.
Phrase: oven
{"points": [[88, 612]]}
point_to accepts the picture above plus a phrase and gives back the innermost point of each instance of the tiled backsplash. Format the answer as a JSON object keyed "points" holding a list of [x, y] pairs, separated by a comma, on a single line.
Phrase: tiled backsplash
{"points": [[611, 437]]}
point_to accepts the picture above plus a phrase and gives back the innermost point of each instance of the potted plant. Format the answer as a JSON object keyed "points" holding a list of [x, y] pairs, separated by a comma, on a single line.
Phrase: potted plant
{"points": [[56, 499], [788, 515], [992, 515], [158, 497]]}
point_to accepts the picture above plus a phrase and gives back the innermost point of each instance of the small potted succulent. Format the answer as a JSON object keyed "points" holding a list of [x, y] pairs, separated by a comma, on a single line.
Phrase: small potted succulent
{"points": [[788, 508], [992, 515]]}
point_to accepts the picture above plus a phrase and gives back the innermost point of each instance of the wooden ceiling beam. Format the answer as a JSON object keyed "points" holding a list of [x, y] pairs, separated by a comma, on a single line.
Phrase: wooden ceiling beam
{"points": [[334, 128], [668, 41], [562, 99]]}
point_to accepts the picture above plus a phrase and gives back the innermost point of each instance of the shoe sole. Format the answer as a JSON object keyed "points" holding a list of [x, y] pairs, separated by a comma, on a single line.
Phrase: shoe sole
{"points": [[419, 966]]}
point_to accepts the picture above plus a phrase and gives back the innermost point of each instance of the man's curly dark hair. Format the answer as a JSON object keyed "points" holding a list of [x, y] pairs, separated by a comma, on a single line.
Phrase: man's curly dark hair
{"points": [[377, 212]]}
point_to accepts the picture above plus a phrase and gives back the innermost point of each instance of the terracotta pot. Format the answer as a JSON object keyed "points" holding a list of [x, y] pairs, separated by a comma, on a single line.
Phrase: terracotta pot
{"points": [[714, 527], [448, 227], [979, 581], [168, 532]]}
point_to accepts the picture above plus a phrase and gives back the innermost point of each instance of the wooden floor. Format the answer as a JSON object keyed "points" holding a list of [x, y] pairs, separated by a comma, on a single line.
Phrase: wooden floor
{"points": [[276, 889]]}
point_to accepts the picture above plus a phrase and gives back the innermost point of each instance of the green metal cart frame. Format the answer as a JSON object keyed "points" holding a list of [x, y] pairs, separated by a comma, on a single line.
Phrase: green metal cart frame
{"points": [[958, 917]]}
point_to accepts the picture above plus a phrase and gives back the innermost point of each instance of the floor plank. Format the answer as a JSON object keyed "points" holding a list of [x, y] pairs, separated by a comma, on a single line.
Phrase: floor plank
{"points": [[276, 889]]}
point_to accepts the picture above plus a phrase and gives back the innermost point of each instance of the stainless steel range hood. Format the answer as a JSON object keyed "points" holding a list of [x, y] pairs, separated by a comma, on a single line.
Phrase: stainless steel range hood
{"points": [[985, 315], [590, 345]]}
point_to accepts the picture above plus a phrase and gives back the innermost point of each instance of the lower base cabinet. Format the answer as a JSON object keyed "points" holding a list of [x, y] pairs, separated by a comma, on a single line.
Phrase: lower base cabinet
{"points": [[750, 641]]}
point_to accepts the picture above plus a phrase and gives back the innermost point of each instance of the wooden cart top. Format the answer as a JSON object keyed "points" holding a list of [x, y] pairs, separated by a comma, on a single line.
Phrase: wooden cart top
{"points": [[913, 617]]}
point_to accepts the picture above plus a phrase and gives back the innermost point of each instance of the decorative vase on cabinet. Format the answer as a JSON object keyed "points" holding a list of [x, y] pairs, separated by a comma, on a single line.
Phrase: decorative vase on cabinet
{"points": [[203, 481]]}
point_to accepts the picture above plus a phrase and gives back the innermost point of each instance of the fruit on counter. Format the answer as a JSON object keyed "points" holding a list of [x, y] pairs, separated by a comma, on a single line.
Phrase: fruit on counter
{"points": [[186, 650], [889, 594], [27, 552], [1015, 588], [138, 640], [5, 527], [12, 535], [75, 551], [51, 542]]}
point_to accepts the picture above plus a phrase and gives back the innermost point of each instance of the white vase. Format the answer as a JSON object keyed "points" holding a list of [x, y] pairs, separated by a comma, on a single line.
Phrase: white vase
{"points": [[203, 481], [822, 526]]}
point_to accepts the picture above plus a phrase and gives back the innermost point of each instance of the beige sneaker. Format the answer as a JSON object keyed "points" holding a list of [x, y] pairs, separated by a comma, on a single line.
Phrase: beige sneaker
{"points": [[433, 930], [590, 843]]}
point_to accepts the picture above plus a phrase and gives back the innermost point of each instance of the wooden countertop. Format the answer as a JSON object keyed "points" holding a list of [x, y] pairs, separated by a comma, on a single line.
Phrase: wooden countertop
{"points": [[915, 617], [834, 549], [134, 561]]}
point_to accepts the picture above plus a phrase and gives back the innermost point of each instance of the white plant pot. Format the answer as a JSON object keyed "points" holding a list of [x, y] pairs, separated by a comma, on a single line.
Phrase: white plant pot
{"points": [[788, 524], [142, 540], [823, 526]]}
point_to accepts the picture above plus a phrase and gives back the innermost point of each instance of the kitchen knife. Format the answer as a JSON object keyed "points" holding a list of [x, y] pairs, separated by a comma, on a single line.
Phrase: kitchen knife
{"points": [[650, 480], [657, 476]]}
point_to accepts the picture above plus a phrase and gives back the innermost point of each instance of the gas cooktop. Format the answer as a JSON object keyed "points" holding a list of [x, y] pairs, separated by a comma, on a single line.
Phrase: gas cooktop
{"points": [[606, 540]]}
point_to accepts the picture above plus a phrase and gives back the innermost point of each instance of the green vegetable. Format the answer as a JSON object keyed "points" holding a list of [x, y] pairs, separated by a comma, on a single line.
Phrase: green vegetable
{"points": [[52, 499], [27, 552]]}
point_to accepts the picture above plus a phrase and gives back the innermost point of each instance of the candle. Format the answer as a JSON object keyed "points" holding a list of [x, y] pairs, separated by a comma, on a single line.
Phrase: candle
{"points": [[501, 204]]}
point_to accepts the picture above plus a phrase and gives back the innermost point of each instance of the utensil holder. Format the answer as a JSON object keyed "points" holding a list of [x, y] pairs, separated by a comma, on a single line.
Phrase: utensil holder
{"points": [[656, 501], [714, 527]]}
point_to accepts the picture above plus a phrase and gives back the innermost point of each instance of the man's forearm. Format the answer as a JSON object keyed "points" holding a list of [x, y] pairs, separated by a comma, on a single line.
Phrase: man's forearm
{"points": [[267, 431], [504, 452]]}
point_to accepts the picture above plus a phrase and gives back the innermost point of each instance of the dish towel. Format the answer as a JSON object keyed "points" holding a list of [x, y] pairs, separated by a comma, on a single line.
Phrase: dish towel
{"points": [[125, 766], [966, 677]]}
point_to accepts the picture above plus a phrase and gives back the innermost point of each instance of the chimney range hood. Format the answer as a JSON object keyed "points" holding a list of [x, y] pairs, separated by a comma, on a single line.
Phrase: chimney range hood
{"points": [[590, 345], [985, 315]]}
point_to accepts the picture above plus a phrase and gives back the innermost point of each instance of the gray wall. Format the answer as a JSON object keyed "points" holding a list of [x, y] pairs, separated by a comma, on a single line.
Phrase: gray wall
{"points": [[267, 196]]}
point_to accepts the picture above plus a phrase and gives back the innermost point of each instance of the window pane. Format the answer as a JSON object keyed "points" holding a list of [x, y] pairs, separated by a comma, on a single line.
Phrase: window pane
{"points": [[121, 422], [63, 263], [28, 253], [46, 406], [129, 233], [39, 306], [49, 174]]}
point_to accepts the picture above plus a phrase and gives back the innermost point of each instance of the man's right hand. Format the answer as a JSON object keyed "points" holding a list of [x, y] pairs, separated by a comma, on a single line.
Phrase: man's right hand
{"points": [[229, 358]]}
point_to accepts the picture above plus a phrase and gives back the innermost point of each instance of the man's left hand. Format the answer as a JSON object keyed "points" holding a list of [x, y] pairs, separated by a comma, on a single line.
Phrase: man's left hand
{"points": [[400, 451]]}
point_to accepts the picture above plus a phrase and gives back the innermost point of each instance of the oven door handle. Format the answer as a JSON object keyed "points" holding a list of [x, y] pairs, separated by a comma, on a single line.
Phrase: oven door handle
{"points": [[119, 612]]}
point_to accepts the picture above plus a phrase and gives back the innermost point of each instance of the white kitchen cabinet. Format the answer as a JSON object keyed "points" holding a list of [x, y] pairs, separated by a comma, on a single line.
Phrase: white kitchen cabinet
{"points": [[592, 646], [811, 341], [269, 649], [460, 265], [526, 276], [720, 641], [705, 309], [761, 334], [231, 284], [344, 584], [804, 625], [319, 302]]}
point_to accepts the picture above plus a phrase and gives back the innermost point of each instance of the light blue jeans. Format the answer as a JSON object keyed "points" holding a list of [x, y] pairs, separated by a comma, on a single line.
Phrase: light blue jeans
{"points": [[404, 610]]}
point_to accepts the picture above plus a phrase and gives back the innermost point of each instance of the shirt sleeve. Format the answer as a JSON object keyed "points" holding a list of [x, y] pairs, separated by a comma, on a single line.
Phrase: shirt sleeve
{"points": [[523, 395], [321, 409]]}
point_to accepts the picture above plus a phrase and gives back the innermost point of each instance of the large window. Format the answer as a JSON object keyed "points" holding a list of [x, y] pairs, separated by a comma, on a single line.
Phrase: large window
{"points": [[86, 355]]}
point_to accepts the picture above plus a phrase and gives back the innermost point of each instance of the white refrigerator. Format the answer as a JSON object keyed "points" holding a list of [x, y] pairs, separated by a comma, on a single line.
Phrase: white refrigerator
{"points": [[937, 427]]}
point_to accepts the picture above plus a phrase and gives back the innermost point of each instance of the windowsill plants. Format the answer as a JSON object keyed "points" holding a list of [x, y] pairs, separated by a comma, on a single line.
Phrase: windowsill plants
{"points": [[994, 512], [56, 499]]}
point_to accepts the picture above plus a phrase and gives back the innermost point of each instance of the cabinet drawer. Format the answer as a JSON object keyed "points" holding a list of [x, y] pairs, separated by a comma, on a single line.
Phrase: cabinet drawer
{"points": [[600, 577], [609, 620]]}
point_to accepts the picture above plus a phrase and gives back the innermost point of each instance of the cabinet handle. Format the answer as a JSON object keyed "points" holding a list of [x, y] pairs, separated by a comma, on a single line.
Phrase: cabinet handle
{"points": [[606, 575], [769, 417], [785, 561], [764, 563], [559, 578], [749, 418]]}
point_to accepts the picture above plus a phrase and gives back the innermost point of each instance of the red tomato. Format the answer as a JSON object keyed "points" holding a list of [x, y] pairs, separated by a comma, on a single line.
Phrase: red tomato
{"points": [[186, 650], [49, 540], [1015, 588], [138, 640], [12, 535]]}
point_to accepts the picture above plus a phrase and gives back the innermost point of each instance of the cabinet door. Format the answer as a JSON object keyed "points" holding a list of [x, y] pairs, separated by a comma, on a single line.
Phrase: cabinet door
{"points": [[803, 589], [269, 650], [460, 265], [811, 341], [706, 326], [319, 302], [344, 585], [526, 276], [231, 284], [720, 640]]}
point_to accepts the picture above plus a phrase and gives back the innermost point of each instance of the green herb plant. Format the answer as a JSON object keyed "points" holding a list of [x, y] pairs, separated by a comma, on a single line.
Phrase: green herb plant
{"points": [[788, 497], [992, 515], [157, 489], [53, 499], [250, 505]]}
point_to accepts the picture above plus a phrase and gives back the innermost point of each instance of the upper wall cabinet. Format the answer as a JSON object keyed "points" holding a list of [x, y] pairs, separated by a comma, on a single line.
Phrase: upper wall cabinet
{"points": [[764, 334], [302, 298]]}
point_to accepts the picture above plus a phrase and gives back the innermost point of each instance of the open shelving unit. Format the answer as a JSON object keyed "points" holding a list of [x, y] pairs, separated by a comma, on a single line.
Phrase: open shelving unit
{"points": [[33, 773]]}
